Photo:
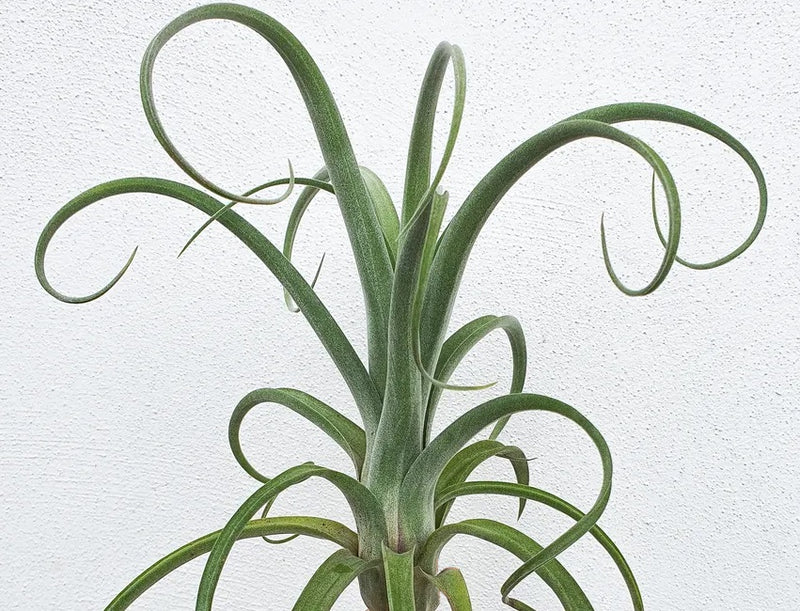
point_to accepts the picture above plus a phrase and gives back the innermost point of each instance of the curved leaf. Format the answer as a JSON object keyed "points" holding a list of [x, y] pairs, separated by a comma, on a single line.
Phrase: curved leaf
{"points": [[642, 111], [381, 202], [458, 238], [372, 259], [459, 344], [308, 182], [557, 503], [330, 580], [523, 547], [417, 491], [428, 249], [468, 459], [341, 429], [330, 334], [366, 510], [312, 527], [418, 184], [451, 583]]}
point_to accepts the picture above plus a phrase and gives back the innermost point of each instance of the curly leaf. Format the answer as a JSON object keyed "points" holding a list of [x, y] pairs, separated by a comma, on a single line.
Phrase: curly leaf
{"points": [[460, 343], [372, 259], [546, 498], [366, 510], [330, 334], [417, 491], [308, 182], [554, 575], [468, 459], [341, 429], [642, 111]]}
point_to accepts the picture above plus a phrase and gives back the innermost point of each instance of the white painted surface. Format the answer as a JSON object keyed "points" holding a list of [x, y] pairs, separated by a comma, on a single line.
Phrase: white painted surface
{"points": [[114, 414]]}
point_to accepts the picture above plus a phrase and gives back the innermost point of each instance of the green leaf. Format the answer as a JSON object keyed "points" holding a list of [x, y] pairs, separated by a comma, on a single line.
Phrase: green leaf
{"points": [[341, 429], [398, 439], [641, 111], [451, 583], [312, 527], [366, 510], [461, 233], [557, 503], [399, 570], [372, 259], [468, 459], [439, 202], [418, 184], [554, 575], [309, 182], [460, 343], [298, 210], [330, 334], [384, 210], [438, 208], [330, 580], [417, 491], [381, 202]]}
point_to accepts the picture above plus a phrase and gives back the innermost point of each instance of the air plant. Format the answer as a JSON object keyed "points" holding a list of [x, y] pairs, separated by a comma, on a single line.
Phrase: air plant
{"points": [[404, 479]]}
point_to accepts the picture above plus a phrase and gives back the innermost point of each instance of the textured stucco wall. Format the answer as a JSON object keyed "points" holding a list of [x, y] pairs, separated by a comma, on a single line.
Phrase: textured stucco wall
{"points": [[114, 414]]}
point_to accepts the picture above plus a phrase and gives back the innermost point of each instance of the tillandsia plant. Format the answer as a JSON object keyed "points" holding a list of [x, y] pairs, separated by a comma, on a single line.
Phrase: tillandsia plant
{"points": [[404, 479]]}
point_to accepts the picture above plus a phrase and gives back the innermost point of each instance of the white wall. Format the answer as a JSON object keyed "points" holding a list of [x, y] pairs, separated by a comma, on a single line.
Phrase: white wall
{"points": [[114, 414]]}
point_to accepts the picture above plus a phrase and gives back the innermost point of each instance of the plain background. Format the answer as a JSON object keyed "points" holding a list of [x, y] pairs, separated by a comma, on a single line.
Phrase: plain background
{"points": [[114, 414]]}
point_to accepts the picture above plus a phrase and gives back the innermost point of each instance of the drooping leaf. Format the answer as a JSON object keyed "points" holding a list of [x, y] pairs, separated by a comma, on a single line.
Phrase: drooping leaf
{"points": [[312, 527]]}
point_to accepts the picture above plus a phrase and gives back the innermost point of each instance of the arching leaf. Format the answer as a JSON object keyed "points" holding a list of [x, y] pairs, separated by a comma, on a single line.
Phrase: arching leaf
{"points": [[312, 527], [461, 466], [554, 575], [460, 343], [366, 510], [341, 429], [559, 504], [330, 334]]}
